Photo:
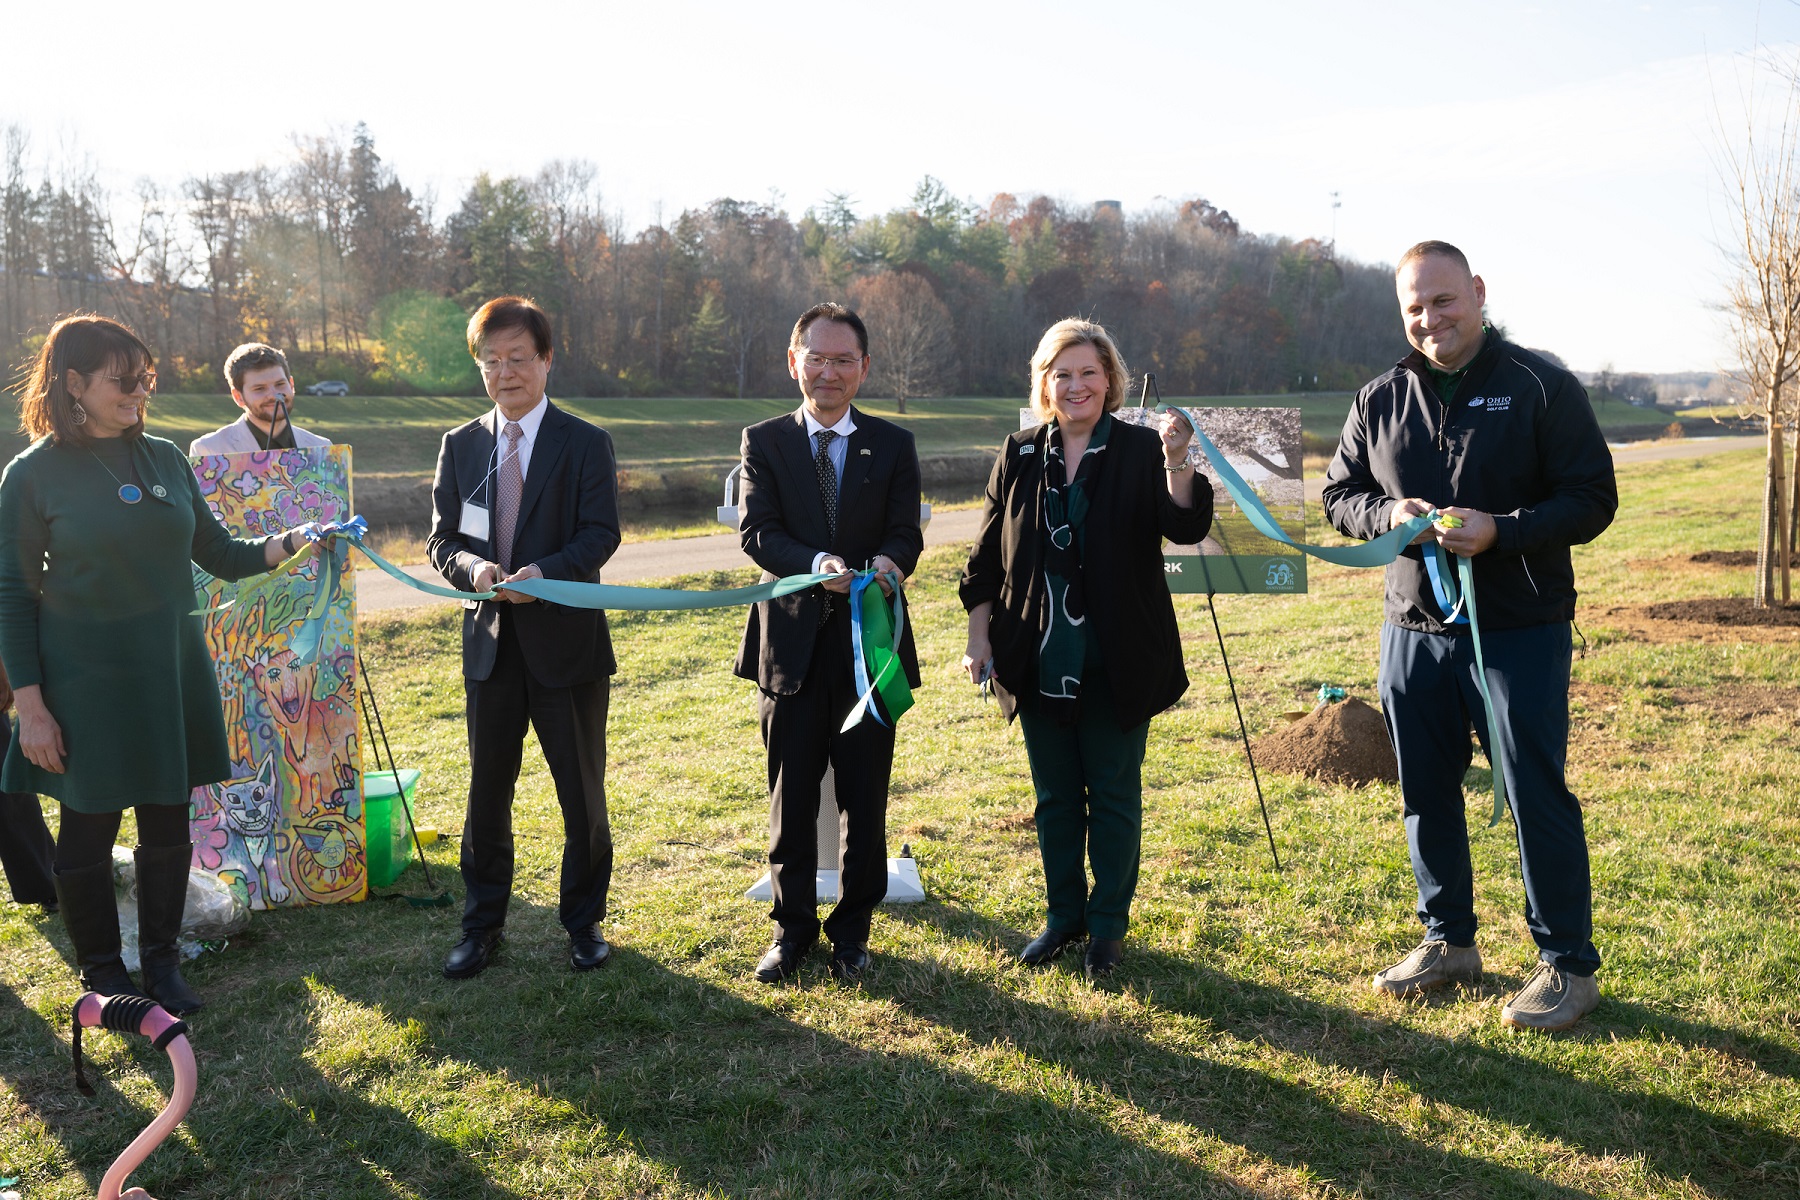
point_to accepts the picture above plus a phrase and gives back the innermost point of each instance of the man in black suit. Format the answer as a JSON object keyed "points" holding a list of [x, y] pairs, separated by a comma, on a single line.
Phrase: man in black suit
{"points": [[825, 489], [528, 491]]}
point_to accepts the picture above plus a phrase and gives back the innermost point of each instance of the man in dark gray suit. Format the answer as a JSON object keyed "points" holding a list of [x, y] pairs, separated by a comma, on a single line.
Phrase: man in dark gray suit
{"points": [[528, 491], [825, 489]]}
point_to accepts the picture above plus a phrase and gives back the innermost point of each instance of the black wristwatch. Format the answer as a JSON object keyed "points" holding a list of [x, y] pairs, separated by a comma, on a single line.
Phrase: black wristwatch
{"points": [[287, 544]]}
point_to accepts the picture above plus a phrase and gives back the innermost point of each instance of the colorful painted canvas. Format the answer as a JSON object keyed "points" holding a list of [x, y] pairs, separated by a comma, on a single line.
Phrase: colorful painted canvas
{"points": [[287, 826]]}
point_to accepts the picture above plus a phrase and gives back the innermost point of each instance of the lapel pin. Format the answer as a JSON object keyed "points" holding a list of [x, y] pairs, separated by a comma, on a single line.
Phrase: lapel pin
{"points": [[864, 450], [1028, 448], [159, 491]]}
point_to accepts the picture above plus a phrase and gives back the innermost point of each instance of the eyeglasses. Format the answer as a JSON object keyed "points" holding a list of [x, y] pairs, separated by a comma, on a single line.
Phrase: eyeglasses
{"points": [[493, 366], [129, 384], [818, 362]]}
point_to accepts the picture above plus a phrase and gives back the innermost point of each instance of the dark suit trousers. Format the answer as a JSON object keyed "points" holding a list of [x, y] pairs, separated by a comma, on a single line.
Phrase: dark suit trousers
{"points": [[801, 733], [26, 851], [571, 726]]}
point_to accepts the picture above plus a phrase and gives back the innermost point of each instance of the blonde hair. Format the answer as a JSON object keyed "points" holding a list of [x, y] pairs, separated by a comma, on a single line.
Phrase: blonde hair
{"points": [[1076, 332]]}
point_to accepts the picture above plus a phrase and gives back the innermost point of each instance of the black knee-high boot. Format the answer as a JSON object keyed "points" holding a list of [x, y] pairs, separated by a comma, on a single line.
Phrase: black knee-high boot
{"points": [[162, 880], [91, 916]]}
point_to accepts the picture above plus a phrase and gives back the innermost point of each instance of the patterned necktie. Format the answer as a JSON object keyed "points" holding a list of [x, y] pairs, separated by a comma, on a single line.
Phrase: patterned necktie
{"points": [[508, 493], [828, 493], [827, 482]]}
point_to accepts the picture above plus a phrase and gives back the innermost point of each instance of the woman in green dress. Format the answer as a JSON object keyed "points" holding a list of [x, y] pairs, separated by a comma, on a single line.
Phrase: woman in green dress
{"points": [[118, 703]]}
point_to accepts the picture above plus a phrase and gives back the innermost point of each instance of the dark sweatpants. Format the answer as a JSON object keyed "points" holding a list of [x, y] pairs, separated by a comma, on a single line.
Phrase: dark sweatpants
{"points": [[1430, 699]]}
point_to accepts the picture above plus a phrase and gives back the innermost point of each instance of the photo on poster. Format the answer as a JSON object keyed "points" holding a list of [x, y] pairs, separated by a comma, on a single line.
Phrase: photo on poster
{"points": [[1264, 446]]}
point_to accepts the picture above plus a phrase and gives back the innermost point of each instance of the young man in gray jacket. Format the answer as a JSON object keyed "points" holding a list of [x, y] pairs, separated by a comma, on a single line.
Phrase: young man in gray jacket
{"points": [[262, 386]]}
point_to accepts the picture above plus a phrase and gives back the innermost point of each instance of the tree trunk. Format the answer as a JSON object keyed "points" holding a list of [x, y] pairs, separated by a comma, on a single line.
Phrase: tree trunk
{"points": [[1777, 462], [1769, 544], [1793, 516]]}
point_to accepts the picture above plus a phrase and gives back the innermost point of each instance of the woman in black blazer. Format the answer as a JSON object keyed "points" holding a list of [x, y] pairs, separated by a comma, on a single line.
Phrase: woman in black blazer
{"points": [[1070, 618]]}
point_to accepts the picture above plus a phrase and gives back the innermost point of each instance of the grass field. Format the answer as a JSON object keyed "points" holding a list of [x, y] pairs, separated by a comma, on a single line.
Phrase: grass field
{"points": [[400, 435], [1238, 1052]]}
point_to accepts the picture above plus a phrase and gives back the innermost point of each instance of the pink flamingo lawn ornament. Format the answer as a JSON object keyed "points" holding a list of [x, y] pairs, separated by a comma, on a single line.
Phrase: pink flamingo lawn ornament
{"points": [[136, 1014]]}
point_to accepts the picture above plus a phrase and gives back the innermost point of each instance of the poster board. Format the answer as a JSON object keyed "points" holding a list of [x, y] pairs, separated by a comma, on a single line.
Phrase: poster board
{"points": [[1263, 445], [288, 825]]}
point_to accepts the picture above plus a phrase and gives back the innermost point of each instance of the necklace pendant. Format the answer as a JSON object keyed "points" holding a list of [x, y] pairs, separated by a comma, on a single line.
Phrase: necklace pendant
{"points": [[130, 493]]}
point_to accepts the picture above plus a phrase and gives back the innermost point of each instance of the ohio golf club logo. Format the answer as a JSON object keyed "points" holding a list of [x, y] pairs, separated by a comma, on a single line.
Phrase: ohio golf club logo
{"points": [[1278, 575], [1492, 403]]}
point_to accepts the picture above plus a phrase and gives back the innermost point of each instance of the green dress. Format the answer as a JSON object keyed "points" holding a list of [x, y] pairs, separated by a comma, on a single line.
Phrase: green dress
{"points": [[95, 604]]}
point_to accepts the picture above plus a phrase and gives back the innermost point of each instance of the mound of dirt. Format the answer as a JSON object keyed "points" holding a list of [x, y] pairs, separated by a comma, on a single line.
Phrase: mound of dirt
{"points": [[1728, 610], [1339, 743], [1733, 558]]}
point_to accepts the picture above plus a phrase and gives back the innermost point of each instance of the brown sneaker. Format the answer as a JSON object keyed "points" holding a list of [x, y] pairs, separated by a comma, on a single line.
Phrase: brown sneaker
{"points": [[1551, 999], [1431, 964]]}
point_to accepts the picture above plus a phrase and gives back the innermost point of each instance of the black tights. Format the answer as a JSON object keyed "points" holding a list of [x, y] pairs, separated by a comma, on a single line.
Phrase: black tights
{"points": [[83, 839]]}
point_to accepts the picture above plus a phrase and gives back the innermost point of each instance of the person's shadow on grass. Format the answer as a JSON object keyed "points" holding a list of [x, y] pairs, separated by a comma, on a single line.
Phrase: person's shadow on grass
{"points": [[1678, 1139]]}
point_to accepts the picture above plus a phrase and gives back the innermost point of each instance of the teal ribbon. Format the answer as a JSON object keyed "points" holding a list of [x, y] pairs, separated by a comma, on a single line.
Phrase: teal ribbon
{"points": [[1377, 553]]}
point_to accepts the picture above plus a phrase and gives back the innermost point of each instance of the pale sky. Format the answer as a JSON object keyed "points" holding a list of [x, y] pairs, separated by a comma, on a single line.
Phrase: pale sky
{"points": [[1568, 147]]}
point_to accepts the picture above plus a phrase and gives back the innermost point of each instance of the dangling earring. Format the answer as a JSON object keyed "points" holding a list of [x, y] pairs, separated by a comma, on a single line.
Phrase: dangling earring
{"points": [[79, 416]]}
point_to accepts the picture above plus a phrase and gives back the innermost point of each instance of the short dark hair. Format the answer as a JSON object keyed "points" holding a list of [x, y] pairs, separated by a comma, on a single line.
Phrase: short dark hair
{"points": [[1440, 249], [510, 312], [85, 343], [830, 310], [253, 356]]}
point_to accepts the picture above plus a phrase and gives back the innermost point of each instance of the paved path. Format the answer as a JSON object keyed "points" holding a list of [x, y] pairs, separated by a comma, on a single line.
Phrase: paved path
{"points": [[637, 561]]}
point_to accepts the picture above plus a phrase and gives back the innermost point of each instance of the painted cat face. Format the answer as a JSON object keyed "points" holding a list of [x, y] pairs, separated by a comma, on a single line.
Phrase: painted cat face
{"points": [[250, 804]]}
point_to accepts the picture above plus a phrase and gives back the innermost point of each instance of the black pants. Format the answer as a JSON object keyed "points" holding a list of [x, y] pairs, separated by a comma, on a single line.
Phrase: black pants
{"points": [[571, 726], [26, 850], [801, 734], [84, 839], [1430, 699]]}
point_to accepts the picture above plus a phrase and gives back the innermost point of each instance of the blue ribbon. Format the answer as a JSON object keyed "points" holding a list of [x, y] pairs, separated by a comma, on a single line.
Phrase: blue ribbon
{"points": [[1378, 553], [1443, 586], [307, 638]]}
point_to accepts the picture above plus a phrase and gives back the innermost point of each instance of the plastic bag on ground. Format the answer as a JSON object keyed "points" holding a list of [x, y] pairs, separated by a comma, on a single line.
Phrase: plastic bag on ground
{"points": [[213, 911]]}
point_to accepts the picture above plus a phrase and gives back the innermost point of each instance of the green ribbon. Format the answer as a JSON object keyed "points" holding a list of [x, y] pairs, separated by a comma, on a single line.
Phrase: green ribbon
{"points": [[1377, 553], [875, 641]]}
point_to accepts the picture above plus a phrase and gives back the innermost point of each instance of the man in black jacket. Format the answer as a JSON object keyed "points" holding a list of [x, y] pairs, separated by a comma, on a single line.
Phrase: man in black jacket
{"points": [[826, 489], [528, 491], [1505, 442]]}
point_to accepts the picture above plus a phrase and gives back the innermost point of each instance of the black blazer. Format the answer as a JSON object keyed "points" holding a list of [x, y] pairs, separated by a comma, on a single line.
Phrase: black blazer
{"points": [[568, 525], [781, 523], [1129, 515]]}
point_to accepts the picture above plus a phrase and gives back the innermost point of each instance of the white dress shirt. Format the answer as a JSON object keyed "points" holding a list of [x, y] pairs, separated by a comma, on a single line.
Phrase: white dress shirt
{"points": [[839, 452]]}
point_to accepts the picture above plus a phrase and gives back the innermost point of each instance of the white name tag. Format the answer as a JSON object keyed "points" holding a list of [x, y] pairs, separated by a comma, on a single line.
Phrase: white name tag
{"points": [[474, 521]]}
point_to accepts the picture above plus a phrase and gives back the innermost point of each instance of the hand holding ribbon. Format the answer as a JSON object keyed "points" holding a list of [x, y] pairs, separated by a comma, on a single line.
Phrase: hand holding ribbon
{"points": [[1467, 530]]}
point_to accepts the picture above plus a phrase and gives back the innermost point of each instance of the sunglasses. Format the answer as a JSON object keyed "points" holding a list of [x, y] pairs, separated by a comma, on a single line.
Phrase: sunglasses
{"points": [[129, 384]]}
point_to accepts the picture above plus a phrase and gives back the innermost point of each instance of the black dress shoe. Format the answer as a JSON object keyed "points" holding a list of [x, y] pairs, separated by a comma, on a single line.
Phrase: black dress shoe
{"points": [[782, 961], [470, 958], [1048, 944], [848, 962], [1103, 954], [588, 949]]}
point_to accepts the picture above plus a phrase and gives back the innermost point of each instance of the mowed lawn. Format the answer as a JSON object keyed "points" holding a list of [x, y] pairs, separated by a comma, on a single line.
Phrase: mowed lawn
{"points": [[1238, 1052], [399, 435]]}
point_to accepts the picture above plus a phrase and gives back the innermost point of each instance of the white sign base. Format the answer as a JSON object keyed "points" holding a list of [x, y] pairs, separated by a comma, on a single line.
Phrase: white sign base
{"points": [[903, 885]]}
